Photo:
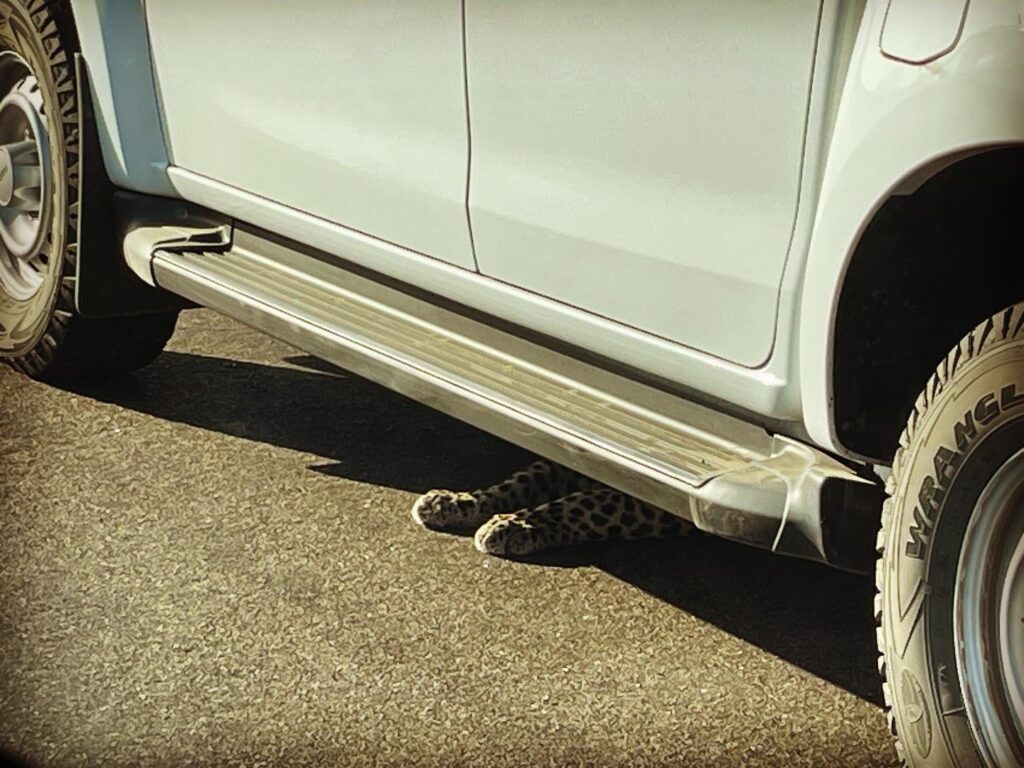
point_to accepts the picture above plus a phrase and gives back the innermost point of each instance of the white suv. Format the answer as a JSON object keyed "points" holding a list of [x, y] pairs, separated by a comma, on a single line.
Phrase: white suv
{"points": [[735, 258]]}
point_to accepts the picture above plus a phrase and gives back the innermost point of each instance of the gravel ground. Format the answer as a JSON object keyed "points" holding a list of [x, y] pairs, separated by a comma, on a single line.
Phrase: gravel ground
{"points": [[212, 563]]}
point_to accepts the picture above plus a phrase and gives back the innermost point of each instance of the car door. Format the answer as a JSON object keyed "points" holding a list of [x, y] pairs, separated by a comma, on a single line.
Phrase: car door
{"points": [[350, 110], [641, 160]]}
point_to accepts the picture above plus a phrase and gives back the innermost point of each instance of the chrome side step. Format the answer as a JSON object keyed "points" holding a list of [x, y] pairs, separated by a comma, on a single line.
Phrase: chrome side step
{"points": [[729, 477]]}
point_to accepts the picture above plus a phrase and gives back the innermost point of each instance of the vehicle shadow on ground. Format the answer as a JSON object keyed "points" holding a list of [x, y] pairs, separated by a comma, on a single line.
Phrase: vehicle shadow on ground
{"points": [[363, 432], [812, 616], [10, 760]]}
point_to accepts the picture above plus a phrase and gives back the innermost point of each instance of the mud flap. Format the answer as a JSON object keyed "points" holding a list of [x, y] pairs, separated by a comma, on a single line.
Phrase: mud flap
{"points": [[102, 216]]}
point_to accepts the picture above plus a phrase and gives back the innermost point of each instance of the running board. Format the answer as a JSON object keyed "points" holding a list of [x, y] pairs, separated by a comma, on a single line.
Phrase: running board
{"points": [[727, 476]]}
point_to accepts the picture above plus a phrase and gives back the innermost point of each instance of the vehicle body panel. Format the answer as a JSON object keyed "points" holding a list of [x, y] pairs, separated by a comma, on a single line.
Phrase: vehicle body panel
{"points": [[874, 126], [918, 31], [115, 45], [614, 151], [897, 124], [354, 112], [756, 390]]}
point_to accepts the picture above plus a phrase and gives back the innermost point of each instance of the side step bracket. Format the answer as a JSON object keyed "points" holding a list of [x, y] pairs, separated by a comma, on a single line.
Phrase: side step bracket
{"points": [[727, 476]]}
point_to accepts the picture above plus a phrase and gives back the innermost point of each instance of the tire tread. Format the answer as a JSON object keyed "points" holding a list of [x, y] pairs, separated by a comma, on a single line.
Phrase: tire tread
{"points": [[994, 331], [72, 345]]}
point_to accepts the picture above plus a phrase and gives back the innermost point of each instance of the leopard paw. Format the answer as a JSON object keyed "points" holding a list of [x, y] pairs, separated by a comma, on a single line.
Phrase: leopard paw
{"points": [[447, 510], [509, 535]]}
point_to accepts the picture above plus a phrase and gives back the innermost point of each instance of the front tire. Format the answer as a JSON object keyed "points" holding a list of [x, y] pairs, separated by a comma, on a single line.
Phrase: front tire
{"points": [[951, 569], [41, 333]]}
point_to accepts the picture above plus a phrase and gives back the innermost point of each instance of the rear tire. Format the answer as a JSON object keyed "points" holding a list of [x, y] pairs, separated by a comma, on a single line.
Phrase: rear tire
{"points": [[41, 334], [951, 569]]}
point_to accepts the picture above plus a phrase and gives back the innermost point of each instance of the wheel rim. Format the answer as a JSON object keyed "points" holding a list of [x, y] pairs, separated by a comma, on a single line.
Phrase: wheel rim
{"points": [[989, 616], [24, 179]]}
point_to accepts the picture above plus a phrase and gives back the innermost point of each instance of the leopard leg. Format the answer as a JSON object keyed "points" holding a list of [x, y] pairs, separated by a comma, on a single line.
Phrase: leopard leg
{"points": [[600, 514], [453, 510]]}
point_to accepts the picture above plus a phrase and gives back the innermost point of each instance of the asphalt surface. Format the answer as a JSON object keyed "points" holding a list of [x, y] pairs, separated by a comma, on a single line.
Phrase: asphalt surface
{"points": [[212, 563]]}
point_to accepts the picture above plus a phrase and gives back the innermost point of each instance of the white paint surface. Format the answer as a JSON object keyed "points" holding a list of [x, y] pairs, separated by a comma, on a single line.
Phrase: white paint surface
{"points": [[642, 164], [352, 111], [918, 31]]}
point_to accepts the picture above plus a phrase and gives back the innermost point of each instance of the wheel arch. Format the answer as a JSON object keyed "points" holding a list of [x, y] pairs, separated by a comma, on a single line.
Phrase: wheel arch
{"points": [[114, 42], [931, 263], [99, 209], [900, 132]]}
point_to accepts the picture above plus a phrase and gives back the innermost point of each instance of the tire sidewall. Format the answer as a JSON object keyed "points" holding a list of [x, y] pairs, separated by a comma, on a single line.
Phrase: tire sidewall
{"points": [[24, 323], [943, 472]]}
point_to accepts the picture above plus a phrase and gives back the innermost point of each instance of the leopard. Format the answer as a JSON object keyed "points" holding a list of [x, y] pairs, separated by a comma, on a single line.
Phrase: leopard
{"points": [[544, 506]]}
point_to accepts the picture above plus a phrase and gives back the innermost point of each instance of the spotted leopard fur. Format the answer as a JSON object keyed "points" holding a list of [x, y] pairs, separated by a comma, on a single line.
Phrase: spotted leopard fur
{"points": [[543, 507]]}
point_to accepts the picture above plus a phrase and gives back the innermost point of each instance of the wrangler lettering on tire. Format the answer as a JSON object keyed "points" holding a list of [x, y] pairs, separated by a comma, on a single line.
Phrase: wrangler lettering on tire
{"points": [[947, 460], [951, 526]]}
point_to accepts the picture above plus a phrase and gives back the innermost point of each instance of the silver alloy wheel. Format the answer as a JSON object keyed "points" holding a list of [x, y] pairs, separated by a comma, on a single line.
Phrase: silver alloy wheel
{"points": [[988, 611], [24, 179]]}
